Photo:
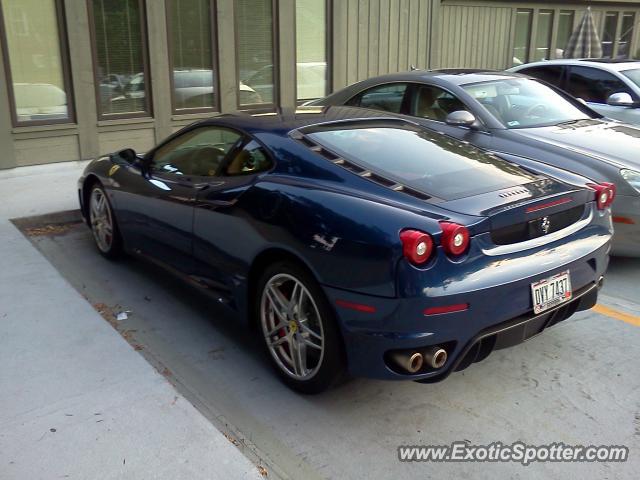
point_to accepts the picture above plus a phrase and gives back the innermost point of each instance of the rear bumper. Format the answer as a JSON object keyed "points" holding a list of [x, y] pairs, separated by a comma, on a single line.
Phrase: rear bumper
{"points": [[518, 330], [499, 314]]}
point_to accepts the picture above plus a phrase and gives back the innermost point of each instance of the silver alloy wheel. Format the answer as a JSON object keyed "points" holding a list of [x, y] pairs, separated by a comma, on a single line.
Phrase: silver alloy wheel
{"points": [[101, 220], [292, 327]]}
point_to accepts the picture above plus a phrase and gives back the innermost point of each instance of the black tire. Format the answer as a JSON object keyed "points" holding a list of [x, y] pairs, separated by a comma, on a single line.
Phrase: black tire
{"points": [[331, 367], [111, 249]]}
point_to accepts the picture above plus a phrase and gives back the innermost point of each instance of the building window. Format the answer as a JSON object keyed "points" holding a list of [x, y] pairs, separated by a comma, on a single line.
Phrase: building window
{"points": [[543, 35], [523, 35], [192, 56], [36, 62], [624, 43], [609, 33], [565, 29], [311, 49], [120, 58], [255, 52]]}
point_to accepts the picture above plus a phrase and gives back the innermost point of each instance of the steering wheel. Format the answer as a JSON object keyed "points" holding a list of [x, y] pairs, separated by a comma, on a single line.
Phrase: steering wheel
{"points": [[538, 106]]}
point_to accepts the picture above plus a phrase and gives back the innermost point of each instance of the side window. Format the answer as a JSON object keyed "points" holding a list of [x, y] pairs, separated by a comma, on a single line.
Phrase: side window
{"points": [[594, 85], [434, 103], [250, 159], [197, 152], [551, 74], [383, 97]]}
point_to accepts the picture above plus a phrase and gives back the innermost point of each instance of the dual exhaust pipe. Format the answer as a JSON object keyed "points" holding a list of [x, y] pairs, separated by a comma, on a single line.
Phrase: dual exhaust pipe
{"points": [[412, 362]]}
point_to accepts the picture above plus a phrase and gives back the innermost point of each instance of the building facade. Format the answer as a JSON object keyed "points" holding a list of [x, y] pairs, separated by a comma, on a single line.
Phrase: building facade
{"points": [[80, 78]]}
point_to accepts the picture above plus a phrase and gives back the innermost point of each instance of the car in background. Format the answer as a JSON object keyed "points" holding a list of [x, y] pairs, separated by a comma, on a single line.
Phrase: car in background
{"points": [[110, 87], [311, 81], [610, 87], [512, 114], [40, 101], [193, 88], [355, 240]]}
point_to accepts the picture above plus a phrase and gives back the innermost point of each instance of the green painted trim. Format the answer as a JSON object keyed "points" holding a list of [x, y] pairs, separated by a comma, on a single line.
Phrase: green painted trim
{"points": [[82, 77], [227, 56]]}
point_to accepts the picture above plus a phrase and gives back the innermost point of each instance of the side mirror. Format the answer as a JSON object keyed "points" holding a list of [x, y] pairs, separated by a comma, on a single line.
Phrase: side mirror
{"points": [[126, 156], [461, 118], [621, 99]]}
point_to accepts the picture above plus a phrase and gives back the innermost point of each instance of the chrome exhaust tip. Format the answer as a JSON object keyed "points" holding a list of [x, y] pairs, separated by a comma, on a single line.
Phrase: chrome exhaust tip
{"points": [[411, 362], [435, 357]]}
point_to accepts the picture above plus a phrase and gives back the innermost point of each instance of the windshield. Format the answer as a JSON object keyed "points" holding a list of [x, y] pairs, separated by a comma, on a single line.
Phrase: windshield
{"points": [[522, 103], [427, 162], [633, 75]]}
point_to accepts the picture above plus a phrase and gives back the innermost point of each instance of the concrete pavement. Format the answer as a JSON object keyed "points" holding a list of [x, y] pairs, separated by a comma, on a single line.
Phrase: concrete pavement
{"points": [[576, 383], [76, 400]]}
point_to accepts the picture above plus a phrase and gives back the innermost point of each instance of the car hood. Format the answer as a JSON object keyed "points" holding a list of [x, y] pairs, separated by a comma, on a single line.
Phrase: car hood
{"points": [[612, 142]]}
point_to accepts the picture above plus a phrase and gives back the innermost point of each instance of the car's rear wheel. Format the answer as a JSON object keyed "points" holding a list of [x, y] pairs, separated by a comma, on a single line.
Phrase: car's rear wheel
{"points": [[299, 329], [103, 223]]}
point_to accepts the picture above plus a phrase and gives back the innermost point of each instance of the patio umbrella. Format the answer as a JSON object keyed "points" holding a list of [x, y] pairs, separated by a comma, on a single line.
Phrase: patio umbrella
{"points": [[584, 41]]}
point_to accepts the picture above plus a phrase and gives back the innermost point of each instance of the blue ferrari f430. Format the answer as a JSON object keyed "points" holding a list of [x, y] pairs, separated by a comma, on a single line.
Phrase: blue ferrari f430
{"points": [[357, 241]]}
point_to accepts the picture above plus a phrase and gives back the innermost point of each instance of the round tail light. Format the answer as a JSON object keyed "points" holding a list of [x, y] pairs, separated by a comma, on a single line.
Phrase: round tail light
{"points": [[455, 238], [605, 193], [417, 246]]}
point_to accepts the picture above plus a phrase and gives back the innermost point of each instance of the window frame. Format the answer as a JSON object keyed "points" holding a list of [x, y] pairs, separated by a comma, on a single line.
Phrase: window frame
{"points": [[65, 64], [571, 69], [275, 61], [562, 80], [239, 147], [620, 33], [553, 24], [617, 14], [328, 15], [555, 29], [413, 98], [244, 139], [404, 104], [531, 12], [148, 113], [150, 156], [213, 18]]}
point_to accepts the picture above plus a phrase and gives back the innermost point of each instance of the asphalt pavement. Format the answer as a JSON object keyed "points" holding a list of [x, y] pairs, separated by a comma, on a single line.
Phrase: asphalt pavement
{"points": [[577, 383]]}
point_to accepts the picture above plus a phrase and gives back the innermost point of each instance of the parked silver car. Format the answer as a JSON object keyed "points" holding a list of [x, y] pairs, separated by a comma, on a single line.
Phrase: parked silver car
{"points": [[610, 87], [519, 118]]}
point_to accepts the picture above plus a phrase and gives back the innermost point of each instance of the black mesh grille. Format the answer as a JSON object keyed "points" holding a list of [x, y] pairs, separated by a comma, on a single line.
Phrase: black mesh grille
{"points": [[521, 232]]}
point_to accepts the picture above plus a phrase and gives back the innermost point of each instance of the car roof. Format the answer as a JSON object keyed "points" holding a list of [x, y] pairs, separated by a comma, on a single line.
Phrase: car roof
{"points": [[283, 121], [614, 65], [456, 76]]}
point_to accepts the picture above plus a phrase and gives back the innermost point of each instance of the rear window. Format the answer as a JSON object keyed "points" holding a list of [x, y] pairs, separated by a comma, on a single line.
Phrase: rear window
{"points": [[434, 164]]}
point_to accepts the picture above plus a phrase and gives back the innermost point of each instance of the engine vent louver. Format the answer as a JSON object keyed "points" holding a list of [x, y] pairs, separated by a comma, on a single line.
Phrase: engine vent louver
{"points": [[358, 170], [514, 192]]}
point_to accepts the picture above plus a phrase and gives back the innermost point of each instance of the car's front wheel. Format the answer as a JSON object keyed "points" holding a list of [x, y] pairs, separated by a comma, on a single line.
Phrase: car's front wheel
{"points": [[299, 329], [103, 223]]}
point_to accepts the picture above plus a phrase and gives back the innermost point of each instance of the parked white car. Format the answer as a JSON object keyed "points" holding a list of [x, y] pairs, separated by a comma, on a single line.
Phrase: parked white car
{"points": [[610, 87]]}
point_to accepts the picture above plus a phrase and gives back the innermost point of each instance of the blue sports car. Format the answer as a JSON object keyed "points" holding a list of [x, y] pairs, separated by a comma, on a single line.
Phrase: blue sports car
{"points": [[357, 241]]}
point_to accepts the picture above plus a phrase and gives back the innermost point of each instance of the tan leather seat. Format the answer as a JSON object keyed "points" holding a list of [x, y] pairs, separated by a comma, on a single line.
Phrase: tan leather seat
{"points": [[425, 106], [238, 163]]}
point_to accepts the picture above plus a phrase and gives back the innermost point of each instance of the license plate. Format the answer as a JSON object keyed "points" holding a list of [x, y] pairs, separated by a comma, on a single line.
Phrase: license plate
{"points": [[551, 292]]}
